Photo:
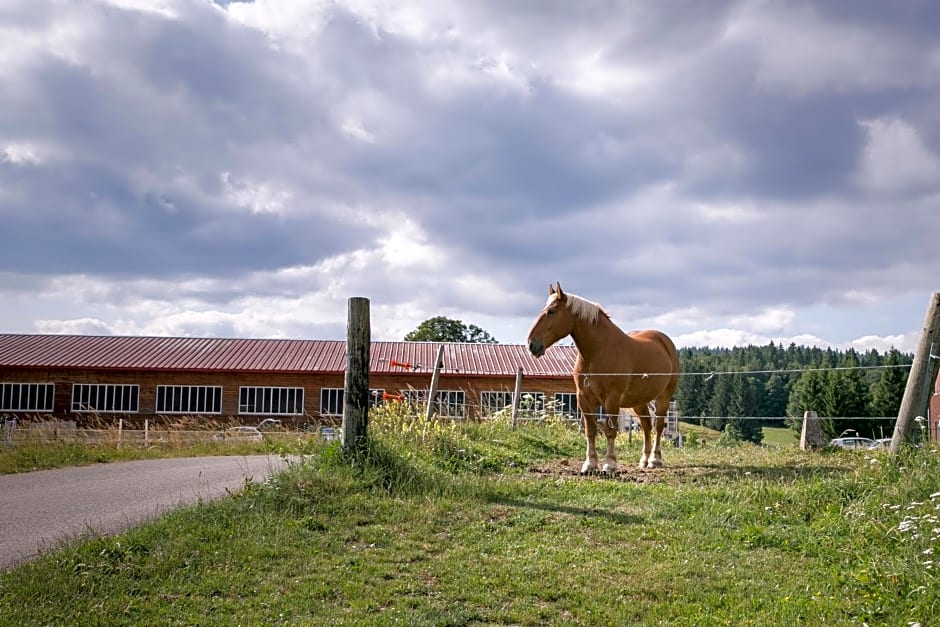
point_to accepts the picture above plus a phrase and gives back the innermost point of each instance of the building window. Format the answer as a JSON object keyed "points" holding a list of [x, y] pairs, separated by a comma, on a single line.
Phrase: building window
{"points": [[566, 404], [27, 396], [449, 403], [376, 397], [270, 400], [189, 399], [531, 405], [105, 398], [492, 402], [332, 400]]}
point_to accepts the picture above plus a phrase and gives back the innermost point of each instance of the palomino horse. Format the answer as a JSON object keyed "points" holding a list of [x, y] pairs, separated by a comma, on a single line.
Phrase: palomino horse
{"points": [[637, 370]]}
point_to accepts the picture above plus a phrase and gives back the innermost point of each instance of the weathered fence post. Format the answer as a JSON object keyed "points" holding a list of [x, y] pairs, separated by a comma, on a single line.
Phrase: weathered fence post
{"points": [[812, 435], [356, 390], [923, 374], [516, 395], [435, 380], [146, 432]]}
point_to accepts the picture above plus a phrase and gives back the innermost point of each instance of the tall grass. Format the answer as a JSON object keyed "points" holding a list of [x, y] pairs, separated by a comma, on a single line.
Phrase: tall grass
{"points": [[454, 523]]}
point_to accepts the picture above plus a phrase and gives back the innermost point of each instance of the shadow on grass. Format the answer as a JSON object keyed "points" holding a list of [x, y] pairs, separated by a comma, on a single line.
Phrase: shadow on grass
{"points": [[583, 512]]}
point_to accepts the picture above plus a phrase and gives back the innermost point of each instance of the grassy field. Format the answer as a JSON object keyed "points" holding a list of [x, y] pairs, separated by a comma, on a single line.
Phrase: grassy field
{"points": [[29, 457], [780, 436], [448, 524]]}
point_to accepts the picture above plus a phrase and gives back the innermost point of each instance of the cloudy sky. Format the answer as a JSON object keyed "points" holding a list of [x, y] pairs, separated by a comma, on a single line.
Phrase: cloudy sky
{"points": [[730, 172]]}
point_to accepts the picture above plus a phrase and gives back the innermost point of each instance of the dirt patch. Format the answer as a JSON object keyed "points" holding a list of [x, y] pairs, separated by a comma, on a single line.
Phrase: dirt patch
{"points": [[629, 473]]}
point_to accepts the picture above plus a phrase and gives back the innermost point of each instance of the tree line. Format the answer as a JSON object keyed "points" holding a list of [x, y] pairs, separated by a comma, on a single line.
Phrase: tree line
{"points": [[757, 386]]}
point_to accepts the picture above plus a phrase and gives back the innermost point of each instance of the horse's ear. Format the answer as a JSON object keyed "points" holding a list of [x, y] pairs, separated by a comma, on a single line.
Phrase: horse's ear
{"points": [[561, 295], [551, 289]]}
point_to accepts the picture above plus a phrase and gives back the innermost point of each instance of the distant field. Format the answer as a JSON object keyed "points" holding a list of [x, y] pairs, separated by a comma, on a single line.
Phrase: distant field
{"points": [[780, 436]]}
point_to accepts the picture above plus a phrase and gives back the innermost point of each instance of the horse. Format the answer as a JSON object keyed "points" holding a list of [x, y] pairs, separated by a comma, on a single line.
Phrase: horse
{"points": [[637, 370]]}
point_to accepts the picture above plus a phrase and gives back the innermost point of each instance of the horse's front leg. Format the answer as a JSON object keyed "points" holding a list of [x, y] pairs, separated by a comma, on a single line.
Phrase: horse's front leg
{"points": [[609, 425], [590, 433]]}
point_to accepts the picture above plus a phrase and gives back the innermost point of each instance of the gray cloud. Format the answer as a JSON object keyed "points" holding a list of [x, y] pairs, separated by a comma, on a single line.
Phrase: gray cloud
{"points": [[241, 168]]}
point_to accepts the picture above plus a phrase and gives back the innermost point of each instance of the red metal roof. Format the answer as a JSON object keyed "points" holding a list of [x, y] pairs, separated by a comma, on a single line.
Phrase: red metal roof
{"points": [[265, 355]]}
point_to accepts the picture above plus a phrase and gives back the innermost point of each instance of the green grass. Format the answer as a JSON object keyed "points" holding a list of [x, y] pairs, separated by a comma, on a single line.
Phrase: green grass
{"points": [[447, 524], [59, 454], [780, 436]]}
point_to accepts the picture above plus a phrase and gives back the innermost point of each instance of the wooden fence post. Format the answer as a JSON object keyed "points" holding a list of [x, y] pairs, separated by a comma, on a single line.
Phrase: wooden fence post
{"points": [[923, 374], [356, 390], [516, 396], [812, 435], [435, 380]]}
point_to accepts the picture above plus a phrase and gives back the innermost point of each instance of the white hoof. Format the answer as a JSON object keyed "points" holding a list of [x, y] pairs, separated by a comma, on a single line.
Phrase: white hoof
{"points": [[654, 463], [588, 467], [609, 466]]}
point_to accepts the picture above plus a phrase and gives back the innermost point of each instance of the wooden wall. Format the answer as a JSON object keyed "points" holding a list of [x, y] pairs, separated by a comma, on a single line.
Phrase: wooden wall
{"points": [[312, 383]]}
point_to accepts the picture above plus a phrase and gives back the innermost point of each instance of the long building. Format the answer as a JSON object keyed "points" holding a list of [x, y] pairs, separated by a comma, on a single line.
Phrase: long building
{"points": [[94, 378]]}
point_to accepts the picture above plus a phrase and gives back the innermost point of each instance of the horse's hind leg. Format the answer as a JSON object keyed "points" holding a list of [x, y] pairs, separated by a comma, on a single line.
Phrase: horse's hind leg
{"points": [[647, 436], [653, 426], [658, 417]]}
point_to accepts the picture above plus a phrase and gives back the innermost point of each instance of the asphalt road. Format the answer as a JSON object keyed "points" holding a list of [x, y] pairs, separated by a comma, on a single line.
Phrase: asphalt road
{"points": [[39, 510]]}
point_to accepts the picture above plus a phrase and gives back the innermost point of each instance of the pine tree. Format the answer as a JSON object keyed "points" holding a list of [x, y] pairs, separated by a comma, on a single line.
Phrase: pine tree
{"points": [[847, 398], [888, 392]]}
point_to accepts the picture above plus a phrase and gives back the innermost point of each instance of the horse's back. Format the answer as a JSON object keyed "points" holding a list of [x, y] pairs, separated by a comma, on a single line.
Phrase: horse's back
{"points": [[656, 337]]}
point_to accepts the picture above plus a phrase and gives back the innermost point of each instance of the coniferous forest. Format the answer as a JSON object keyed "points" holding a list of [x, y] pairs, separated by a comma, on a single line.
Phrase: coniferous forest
{"points": [[755, 386]]}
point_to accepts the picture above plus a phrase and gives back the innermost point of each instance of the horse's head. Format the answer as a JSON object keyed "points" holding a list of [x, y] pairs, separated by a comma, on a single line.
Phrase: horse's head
{"points": [[555, 322]]}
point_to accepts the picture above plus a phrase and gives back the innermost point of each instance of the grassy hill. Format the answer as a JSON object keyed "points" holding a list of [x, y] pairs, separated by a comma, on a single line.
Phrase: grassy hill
{"points": [[460, 524]]}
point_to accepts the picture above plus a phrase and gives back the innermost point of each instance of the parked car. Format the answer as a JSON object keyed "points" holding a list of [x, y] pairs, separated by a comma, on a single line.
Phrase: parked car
{"points": [[269, 424], [851, 442], [881, 443], [244, 433]]}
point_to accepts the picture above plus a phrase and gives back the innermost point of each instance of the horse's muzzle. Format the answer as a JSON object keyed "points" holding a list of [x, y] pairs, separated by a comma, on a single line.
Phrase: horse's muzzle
{"points": [[536, 348]]}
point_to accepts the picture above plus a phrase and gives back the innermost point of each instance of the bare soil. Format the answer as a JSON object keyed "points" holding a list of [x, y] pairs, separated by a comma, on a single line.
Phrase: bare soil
{"points": [[628, 471]]}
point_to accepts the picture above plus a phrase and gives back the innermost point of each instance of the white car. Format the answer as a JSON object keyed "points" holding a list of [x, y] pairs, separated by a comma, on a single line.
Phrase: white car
{"points": [[852, 442], [250, 434]]}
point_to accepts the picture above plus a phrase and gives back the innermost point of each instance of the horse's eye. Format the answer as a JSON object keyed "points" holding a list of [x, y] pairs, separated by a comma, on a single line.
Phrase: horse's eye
{"points": [[550, 312]]}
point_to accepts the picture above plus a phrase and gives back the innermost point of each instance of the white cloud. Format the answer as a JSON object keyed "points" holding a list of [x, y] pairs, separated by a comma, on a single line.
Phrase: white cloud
{"points": [[896, 159], [259, 198], [78, 326], [356, 130], [21, 154], [775, 320], [163, 8]]}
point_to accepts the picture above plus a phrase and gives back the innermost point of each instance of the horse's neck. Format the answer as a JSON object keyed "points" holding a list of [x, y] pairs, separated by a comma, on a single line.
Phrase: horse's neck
{"points": [[593, 338]]}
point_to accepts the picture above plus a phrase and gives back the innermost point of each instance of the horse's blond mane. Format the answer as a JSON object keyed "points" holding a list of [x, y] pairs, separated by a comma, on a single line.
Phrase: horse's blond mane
{"points": [[581, 307]]}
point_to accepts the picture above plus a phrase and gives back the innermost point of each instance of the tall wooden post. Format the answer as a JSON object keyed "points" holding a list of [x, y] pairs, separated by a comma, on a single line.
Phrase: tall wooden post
{"points": [[435, 379], [356, 391], [516, 396], [923, 374]]}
